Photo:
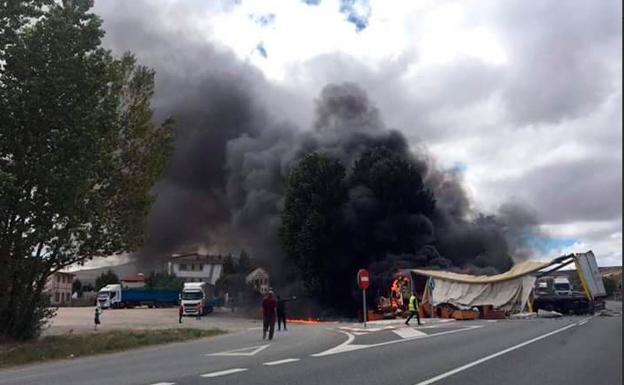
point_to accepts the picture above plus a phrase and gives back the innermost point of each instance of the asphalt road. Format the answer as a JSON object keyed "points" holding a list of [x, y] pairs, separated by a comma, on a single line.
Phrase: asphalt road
{"points": [[568, 350]]}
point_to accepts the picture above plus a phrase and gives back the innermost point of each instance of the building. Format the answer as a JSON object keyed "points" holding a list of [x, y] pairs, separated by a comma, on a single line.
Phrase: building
{"points": [[136, 281], [59, 287], [196, 267], [259, 280]]}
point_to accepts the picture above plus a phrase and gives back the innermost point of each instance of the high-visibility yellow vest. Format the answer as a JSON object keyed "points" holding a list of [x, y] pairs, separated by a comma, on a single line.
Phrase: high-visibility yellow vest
{"points": [[413, 303]]}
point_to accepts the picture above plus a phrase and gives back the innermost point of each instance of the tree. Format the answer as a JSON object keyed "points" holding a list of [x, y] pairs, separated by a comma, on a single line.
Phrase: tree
{"points": [[389, 204], [163, 281], [228, 265], [77, 287], [310, 219], [87, 288], [244, 263], [108, 278], [610, 285], [79, 152]]}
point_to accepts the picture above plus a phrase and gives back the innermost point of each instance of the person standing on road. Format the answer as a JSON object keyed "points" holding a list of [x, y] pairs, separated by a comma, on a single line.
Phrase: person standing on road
{"points": [[96, 320], [268, 315], [413, 309], [180, 313], [281, 311]]}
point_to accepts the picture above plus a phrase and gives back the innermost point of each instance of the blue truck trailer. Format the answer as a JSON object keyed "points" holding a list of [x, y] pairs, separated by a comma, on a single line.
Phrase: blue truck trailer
{"points": [[114, 296]]}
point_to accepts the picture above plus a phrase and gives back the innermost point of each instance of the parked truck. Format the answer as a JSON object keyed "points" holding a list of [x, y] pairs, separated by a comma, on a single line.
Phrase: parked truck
{"points": [[115, 297], [557, 293], [197, 297]]}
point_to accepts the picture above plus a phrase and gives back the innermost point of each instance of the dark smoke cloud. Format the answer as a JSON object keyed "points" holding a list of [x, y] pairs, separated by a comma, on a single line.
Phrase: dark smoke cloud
{"points": [[224, 188]]}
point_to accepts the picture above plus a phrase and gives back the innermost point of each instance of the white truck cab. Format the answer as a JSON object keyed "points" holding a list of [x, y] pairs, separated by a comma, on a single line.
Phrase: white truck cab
{"points": [[562, 286], [196, 296], [109, 296]]}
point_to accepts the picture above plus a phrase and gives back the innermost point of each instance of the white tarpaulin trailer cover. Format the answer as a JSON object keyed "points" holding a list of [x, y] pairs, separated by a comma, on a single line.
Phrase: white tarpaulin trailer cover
{"points": [[508, 291]]}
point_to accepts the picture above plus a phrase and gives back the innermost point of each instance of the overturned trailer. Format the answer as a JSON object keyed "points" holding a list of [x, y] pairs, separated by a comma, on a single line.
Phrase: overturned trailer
{"points": [[512, 291]]}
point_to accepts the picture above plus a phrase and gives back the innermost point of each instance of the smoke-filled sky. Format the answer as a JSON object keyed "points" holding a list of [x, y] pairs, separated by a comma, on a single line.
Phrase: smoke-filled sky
{"points": [[521, 100]]}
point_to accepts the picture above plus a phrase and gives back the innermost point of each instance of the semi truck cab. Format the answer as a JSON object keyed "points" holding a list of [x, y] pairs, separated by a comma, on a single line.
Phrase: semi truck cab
{"points": [[109, 296], [195, 294]]}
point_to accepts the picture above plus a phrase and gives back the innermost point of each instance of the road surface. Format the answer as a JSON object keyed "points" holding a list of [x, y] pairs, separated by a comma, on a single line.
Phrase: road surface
{"points": [[569, 350]]}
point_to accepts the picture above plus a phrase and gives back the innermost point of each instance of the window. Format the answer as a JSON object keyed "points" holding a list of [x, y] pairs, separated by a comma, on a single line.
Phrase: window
{"points": [[56, 295], [182, 266], [58, 279], [201, 267]]}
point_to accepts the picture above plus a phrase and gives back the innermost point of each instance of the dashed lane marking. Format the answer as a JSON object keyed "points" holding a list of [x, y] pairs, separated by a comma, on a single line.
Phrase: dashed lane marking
{"points": [[164, 383], [494, 355], [223, 372], [279, 362]]}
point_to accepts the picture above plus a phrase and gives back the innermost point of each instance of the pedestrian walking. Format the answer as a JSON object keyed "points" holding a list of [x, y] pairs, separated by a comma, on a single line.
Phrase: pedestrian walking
{"points": [[413, 309], [268, 315], [96, 320], [281, 311], [180, 313]]}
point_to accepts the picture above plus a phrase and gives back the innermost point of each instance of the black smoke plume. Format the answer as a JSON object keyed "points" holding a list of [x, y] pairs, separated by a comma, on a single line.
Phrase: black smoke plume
{"points": [[225, 185]]}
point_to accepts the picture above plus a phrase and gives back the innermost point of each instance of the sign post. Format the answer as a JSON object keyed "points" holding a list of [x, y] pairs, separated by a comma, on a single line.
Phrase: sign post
{"points": [[363, 280], [431, 284]]}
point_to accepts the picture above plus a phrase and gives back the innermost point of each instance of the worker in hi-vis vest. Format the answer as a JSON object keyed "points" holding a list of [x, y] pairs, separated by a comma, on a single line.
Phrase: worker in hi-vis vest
{"points": [[413, 309]]}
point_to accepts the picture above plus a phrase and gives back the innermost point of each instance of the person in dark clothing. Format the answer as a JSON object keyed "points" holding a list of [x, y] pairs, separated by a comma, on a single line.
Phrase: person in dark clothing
{"points": [[268, 315], [281, 311], [96, 320], [180, 313]]}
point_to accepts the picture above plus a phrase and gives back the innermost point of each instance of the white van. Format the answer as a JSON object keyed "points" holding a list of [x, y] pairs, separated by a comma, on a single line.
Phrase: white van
{"points": [[563, 286]]}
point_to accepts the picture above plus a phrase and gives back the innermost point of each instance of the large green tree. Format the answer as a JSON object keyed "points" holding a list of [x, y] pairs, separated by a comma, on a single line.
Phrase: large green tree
{"points": [[310, 219], [79, 151], [107, 278]]}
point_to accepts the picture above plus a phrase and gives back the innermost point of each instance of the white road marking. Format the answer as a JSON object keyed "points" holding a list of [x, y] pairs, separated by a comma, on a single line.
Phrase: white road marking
{"points": [[583, 322], [491, 356], [248, 351], [223, 372], [346, 346], [284, 361], [164, 383], [408, 332], [338, 348]]}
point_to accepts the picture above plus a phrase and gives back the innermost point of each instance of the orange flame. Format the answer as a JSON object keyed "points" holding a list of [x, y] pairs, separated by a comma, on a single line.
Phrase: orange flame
{"points": [[306, 321]]}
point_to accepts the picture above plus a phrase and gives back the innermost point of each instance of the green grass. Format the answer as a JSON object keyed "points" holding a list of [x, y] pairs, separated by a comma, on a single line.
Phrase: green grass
{"points": [[72, 346]]}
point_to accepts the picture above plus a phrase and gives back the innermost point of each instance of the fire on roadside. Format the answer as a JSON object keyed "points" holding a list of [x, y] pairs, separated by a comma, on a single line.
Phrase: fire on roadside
{"points": [[307, 321]]}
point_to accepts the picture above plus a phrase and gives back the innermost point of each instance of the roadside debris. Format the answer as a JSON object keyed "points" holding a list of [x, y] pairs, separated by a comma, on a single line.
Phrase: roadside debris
{"points": [[548, 314], [609, 313], [526, 315]]}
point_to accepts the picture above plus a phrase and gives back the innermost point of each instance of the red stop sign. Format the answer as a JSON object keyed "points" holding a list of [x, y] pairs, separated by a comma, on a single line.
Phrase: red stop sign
{"points": [[363, 279]]}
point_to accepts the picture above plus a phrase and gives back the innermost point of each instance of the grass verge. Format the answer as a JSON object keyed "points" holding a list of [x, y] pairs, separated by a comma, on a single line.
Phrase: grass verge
{"points": [[73, 346]]}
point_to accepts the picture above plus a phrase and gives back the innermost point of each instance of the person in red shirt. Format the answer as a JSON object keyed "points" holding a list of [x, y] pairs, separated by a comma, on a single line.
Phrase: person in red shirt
{"points": [[268, 315]]}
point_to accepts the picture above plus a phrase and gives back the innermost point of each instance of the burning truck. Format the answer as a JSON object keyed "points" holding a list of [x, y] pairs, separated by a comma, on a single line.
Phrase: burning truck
{"points": [[462, 296]]}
